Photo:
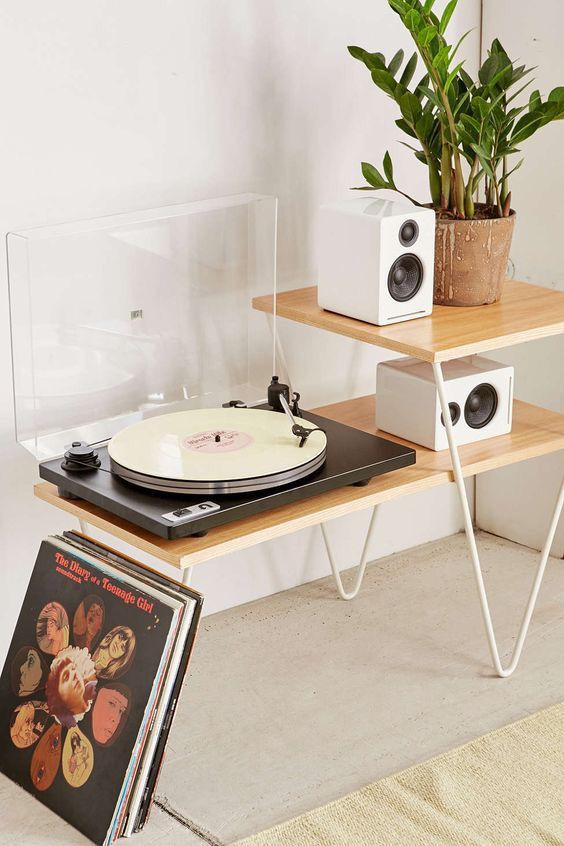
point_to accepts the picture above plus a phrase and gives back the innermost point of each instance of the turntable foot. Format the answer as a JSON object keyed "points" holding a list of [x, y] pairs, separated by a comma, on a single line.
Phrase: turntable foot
{"points": [[199, 534], [361, 484]]}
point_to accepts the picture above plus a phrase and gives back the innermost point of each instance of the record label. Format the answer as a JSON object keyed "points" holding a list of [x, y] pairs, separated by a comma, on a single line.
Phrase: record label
{"points": [[218, 441]]}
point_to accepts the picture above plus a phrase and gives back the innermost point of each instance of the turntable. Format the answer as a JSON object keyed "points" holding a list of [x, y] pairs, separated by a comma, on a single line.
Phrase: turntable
{"points": [[183, 473], [142, 422]]}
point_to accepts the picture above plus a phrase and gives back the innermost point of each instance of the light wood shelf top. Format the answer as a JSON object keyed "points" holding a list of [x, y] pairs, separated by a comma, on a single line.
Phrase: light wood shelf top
{"points": [[524, 313], [536, 432]]}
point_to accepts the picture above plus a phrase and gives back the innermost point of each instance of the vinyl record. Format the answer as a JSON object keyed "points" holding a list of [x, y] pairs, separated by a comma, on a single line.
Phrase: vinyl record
{"points": [[217, 450]]}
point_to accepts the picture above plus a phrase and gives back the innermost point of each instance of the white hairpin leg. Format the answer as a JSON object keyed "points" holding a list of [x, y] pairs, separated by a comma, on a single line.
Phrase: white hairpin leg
{"points": [[363, 559], [83, 526], [187, 576], [502, 671]]}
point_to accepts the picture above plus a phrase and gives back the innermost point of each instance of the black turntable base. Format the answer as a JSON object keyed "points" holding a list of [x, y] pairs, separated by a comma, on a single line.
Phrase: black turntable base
{"points": [[352, 457]]}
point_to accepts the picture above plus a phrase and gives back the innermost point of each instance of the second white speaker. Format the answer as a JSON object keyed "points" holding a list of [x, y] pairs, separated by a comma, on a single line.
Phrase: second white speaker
{"points": [[479, 393]]}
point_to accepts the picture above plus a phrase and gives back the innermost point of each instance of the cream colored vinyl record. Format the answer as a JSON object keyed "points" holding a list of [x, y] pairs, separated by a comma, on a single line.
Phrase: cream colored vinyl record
{"points": [[219, 450]]}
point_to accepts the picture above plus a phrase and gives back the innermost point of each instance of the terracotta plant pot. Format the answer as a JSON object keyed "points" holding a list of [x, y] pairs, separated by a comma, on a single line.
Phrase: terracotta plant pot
{"points": [[471, 260]]}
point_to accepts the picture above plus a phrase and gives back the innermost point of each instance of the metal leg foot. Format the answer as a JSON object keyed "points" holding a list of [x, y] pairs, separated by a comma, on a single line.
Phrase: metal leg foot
{"points": [[363, 559], [502, 671]]}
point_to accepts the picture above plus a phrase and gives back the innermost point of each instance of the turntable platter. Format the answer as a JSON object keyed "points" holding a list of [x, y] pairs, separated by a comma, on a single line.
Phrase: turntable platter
{"points": [[217, 450]]}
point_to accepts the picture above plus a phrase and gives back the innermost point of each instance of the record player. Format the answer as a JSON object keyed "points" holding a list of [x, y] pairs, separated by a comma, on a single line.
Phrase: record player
{"points": [[150, 398]]}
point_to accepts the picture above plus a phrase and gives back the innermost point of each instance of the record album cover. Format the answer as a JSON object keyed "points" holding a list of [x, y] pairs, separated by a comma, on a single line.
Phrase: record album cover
{"points": [[77, 684]]}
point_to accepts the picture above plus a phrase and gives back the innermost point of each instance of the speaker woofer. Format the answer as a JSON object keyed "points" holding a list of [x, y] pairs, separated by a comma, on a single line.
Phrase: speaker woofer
{"points": [[480, 406], [454, 409], [409, 232], [405, 277]]}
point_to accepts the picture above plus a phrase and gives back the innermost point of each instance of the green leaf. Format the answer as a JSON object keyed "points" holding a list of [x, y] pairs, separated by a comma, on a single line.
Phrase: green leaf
{"points": [[405, 127], [484, 160], [447, 15], [373, 176], [481, 151], [412, 20], [454, 51], [535, 101], [557, 94], [430, 95], [388, 168], [480, 106], [356, 52], [410, 107], [451, 76], [410, 147], [384, 80], [516, 94], [504, 77], [427, 34], [408, 71], [489, 69], [517, 166], [423, 82], [556, 100], [460, 103], [466, 79], [425, 125], [497, 47], [440, 61], [373, 61], [399, 6], [526, 126], [470, 124], [428, 5], [519, 73], [395, 63]]}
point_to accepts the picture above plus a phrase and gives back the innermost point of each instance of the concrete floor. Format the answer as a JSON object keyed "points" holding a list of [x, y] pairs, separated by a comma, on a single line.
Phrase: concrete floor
{"points": [[297, 699]]}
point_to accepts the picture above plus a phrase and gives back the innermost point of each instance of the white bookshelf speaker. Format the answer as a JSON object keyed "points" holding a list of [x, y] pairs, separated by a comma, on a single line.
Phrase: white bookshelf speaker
{"points": [[479, 393], [376, 260]]}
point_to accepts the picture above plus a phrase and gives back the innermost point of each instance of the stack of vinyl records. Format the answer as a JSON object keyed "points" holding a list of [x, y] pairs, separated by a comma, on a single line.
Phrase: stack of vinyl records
{"points": [[91, 682]]}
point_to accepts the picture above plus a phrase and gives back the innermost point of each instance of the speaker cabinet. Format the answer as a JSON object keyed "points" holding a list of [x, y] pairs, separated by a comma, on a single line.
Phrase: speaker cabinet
{"points": [[376, 260], [479, 393]]}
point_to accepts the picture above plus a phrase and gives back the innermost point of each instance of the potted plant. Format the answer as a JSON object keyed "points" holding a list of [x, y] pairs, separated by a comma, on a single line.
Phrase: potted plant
{"points": [[467, 133]]}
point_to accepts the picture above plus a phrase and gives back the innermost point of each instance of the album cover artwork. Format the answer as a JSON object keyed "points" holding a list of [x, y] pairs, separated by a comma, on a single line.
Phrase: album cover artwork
{"points": [[77, 683]]}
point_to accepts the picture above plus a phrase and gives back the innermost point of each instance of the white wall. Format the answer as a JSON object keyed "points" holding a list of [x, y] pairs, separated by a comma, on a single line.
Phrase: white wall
{"points": [[109, 107], [516, 502]]}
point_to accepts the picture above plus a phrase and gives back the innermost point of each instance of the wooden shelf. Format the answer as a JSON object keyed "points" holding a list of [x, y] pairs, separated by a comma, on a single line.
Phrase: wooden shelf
{"points": [[524, 313], [536, 432]]}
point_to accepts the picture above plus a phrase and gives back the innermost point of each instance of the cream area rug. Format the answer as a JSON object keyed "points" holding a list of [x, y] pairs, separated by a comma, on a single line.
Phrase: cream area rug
{"points": [[503, 789]]}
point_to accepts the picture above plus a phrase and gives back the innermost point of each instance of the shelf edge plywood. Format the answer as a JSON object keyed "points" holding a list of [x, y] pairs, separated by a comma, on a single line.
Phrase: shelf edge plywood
{"points": [[526, 312]]}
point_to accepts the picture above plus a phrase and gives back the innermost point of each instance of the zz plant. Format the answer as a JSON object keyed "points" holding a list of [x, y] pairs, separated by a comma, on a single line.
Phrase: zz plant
{"points": [[467, 132]]}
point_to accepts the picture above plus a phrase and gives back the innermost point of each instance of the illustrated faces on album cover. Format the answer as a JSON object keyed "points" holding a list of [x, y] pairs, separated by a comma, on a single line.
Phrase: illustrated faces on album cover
{"points": [[78, 679]]}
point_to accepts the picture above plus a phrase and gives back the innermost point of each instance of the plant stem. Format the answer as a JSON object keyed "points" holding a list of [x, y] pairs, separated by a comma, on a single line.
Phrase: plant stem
{"points": [[504, 185], [445, 173], [437, 85], [498, 199], [434, 180], [468, 197]]}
